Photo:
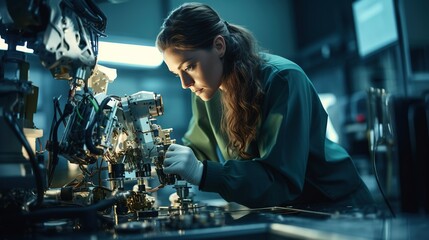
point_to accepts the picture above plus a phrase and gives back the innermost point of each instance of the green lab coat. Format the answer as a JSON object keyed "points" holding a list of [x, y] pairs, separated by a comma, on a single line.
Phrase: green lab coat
{"points": [[293, 149]]}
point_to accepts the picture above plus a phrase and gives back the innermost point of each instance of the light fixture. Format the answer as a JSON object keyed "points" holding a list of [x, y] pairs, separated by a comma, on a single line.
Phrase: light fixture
{"points": [[129, 55]]}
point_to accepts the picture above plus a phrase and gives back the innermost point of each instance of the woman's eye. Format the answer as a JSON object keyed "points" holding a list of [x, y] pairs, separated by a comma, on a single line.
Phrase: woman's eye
{"points": [[189, 67]]}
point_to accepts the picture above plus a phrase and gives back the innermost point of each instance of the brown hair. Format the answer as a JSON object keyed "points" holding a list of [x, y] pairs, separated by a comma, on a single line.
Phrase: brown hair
{"points": [[194, 26]]}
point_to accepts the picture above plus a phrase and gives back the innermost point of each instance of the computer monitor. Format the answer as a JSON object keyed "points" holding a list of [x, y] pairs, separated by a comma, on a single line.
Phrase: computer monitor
{"points": [[375, 25]]}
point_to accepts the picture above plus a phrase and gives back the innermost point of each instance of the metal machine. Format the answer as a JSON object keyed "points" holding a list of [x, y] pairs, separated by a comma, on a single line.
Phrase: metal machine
{"points": [[120, 132]]}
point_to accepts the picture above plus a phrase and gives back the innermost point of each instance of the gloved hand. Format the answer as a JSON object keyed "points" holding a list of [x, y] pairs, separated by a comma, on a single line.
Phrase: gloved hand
{"points": [[181, 160]]}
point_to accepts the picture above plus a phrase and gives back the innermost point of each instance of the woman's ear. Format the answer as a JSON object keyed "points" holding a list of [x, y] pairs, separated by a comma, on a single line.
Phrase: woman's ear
{"points": [[219, 45]]}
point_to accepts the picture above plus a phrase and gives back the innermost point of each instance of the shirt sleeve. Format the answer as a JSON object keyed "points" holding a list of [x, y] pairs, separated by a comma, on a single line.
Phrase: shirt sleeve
{"points": [[291, 111], [199, 136]]}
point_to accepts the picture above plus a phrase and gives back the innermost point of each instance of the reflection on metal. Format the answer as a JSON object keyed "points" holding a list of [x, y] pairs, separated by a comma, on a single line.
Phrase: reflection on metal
{"points": [[295, 232]]}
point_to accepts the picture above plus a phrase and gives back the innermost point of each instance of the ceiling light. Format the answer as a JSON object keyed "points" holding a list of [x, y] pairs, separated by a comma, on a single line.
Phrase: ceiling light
{"points": [[129, 55]]}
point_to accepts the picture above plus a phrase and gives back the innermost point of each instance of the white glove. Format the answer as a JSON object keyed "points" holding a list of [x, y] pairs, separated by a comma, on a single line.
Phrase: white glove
{"points": [[181, 160]]}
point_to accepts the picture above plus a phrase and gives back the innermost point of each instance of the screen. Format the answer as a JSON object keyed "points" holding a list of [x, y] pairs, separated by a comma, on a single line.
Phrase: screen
{"points": [[375, 25]]}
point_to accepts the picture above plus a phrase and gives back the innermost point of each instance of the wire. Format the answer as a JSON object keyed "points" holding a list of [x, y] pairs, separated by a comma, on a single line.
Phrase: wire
{"points": [[55, 145], [78, 114], [41, 149], [94, 103], [88, 132], [54, 118], [155, 189], [99, 171], [57, 106], [90, 13], [12, 123], [87, 214], [373, 158]]}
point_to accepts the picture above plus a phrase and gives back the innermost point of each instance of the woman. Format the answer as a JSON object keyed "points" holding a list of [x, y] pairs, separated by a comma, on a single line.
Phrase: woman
{"points": [[257, 134]]}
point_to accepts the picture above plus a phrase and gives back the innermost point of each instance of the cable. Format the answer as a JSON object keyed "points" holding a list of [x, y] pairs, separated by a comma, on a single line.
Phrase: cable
{"points": [[50, 142], [12, 123], [67, 111], [87, 215], [58, 109], [376, 143], [88, 132], [155, 189], [54, 118]]}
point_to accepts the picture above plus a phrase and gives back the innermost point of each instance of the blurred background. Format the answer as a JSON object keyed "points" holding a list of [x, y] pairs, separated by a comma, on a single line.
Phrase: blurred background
{"points": [[346, 48]]}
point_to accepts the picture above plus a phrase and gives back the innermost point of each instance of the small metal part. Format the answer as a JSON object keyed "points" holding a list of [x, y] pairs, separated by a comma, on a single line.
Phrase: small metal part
{"points": [[133, 227]]}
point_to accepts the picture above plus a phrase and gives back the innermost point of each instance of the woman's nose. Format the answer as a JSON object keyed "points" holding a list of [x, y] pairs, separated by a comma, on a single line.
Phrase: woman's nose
{"points": [[186, 80]]}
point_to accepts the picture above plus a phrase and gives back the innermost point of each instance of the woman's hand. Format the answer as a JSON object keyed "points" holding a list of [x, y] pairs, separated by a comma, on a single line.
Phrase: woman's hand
{"points": [[181, 160]]}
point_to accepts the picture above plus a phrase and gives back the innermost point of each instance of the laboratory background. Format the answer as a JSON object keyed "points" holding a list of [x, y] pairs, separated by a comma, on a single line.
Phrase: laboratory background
{"points": [[367, 59]]}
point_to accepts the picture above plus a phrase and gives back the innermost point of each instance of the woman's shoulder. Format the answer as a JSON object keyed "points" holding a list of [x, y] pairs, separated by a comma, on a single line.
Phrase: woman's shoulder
{"points": [[277, 68], [278, 63]]}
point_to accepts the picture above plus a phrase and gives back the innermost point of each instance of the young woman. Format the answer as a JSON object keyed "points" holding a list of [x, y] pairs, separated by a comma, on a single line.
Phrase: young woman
{"points": [[257, 134]]}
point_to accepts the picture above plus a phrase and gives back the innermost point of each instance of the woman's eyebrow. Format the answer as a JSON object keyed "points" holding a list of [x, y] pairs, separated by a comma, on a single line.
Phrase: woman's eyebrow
{"points": [[186, 60]]}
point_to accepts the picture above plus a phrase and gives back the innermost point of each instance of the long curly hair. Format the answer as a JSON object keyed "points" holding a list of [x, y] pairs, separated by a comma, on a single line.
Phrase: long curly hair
{"points": [[194, 26]]}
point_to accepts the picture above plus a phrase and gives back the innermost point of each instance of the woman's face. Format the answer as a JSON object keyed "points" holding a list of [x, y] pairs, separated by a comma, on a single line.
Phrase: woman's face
{"points": [[199, 70]]}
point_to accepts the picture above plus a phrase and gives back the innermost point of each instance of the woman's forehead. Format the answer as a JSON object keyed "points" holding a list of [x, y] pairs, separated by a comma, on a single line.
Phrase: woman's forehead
{"points": [[175, 57]]}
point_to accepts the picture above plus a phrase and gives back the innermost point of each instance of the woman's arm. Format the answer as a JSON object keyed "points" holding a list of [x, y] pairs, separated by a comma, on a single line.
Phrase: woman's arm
{"points": [[292, 111]]}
